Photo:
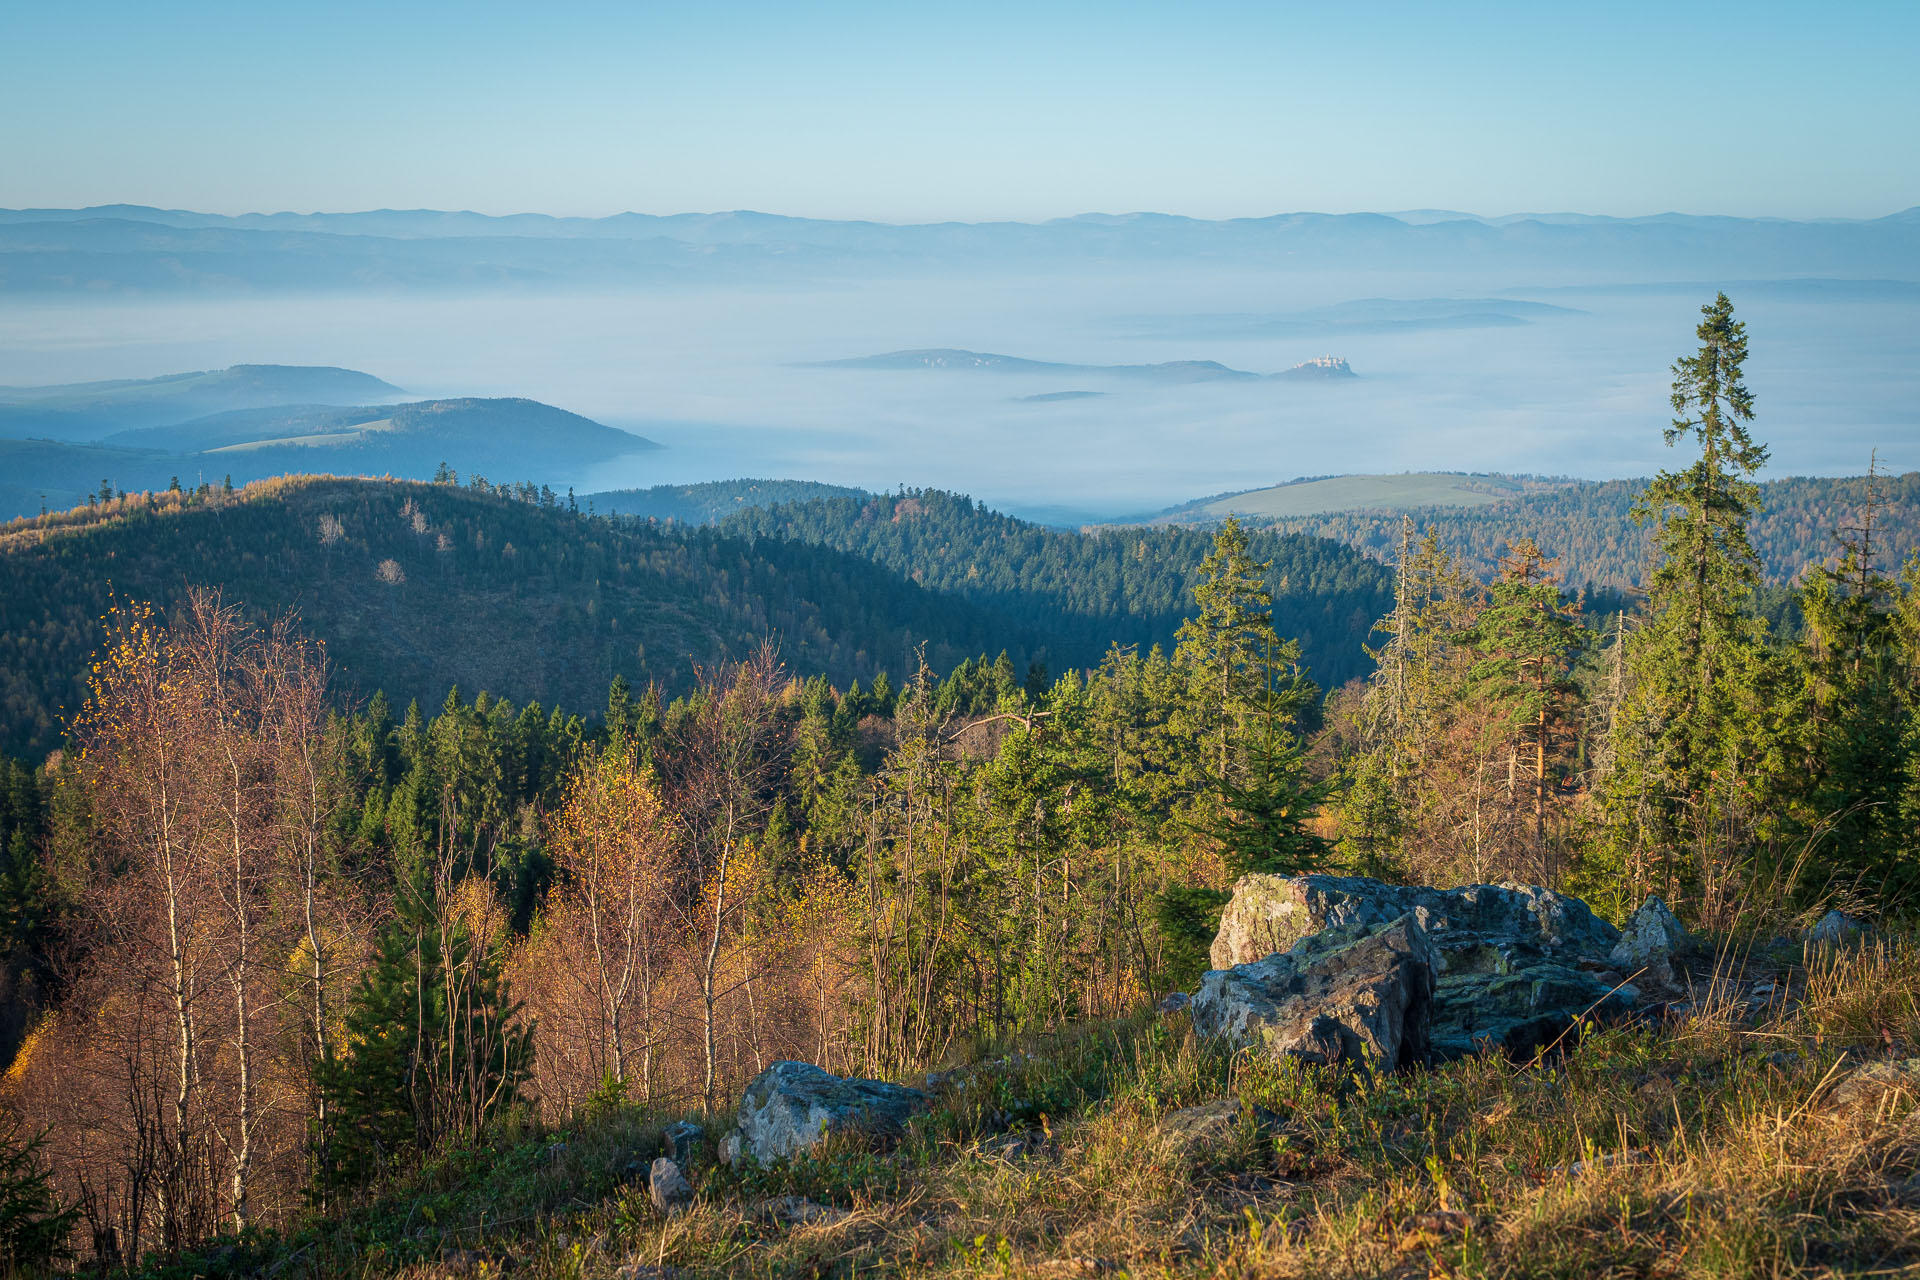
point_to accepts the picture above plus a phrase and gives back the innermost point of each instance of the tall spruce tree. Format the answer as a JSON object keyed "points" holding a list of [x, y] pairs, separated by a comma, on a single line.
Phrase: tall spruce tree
{"points": [[1697, 742], [1247, 704], [1240, 670]]}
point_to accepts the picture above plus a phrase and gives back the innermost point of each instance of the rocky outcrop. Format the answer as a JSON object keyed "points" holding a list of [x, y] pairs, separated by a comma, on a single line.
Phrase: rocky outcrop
{"points": [[1869, 1086], [1518, 1004], [1510, 967], [1355, 994], [793, 1106], [1270, 913]]}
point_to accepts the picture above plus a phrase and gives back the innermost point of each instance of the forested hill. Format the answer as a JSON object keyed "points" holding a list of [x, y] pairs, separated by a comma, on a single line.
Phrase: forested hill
{"points": [[1131, 585], [415, 587], [1587, 526], [710, 501]]}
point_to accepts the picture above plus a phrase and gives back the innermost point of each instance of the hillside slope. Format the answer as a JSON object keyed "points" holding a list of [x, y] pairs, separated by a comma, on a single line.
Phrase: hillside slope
{"points": [[1585, 523], [711, 501], [1129, 586], [1319, 495], [415, 587]]}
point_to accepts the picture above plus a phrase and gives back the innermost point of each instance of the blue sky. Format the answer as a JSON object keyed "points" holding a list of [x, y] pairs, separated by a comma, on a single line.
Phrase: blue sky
{"points": [[905, 112]]}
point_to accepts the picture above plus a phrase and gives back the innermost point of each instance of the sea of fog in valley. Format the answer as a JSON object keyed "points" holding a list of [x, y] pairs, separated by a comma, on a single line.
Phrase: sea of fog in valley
{"points": [[726, 376]]}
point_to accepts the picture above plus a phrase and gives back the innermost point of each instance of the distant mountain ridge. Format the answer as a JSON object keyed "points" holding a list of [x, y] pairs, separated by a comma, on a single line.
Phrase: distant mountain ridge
{"points": [[743, 223], [1101, 587], [137, 249], [417, 587]]}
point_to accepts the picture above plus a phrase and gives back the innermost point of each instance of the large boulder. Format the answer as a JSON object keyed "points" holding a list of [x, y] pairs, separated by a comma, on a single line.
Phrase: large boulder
{"points": [[793, 1106], [1271, 913], [1514, 967], [1354, 995]]}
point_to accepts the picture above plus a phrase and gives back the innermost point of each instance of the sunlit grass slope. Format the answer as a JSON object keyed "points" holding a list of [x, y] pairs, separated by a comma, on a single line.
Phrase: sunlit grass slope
{"points": [[1731, 1142], [1355, 493]]}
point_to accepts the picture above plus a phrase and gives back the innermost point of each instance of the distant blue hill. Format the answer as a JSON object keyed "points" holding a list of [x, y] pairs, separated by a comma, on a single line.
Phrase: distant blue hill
{"points": [[92, 410], [503, 440]]}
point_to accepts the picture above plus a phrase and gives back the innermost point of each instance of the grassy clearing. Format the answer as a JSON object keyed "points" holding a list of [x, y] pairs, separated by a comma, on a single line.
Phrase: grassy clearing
{"points": [[1360, 493], [1717, 1147]]}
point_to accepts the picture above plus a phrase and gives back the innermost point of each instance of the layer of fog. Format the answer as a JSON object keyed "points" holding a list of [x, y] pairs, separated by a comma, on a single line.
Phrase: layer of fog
{"points": [[720, 376]]}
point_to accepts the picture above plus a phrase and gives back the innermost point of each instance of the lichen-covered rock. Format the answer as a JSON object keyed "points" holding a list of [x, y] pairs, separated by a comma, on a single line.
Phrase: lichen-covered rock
{"points": [[1652, 940], [798, 1211], [1269, 914], [793, 1106], [1514, 966], [1211, 1126], [1869, 1086], [1517, 1006], [731, 1148], [1354, 995]]}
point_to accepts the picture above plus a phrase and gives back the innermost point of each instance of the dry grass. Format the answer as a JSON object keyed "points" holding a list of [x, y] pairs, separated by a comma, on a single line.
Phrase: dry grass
{"points": [[1710, 1148]]}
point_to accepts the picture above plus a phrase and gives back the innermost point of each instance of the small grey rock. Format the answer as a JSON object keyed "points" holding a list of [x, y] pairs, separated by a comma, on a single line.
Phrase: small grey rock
{"points": [[731, 1149], [1174, 1002], [1833, 929], [1652, 940], [668, 1187], [1867, 1086], [1209, 1124], [682, 1138], [798, 1211]]}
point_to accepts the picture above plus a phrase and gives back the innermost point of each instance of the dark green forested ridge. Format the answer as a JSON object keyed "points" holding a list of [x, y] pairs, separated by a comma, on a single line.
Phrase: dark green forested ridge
{"points": [[1126, 585], [1586, 526], [711, 501], [417, 587]]}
